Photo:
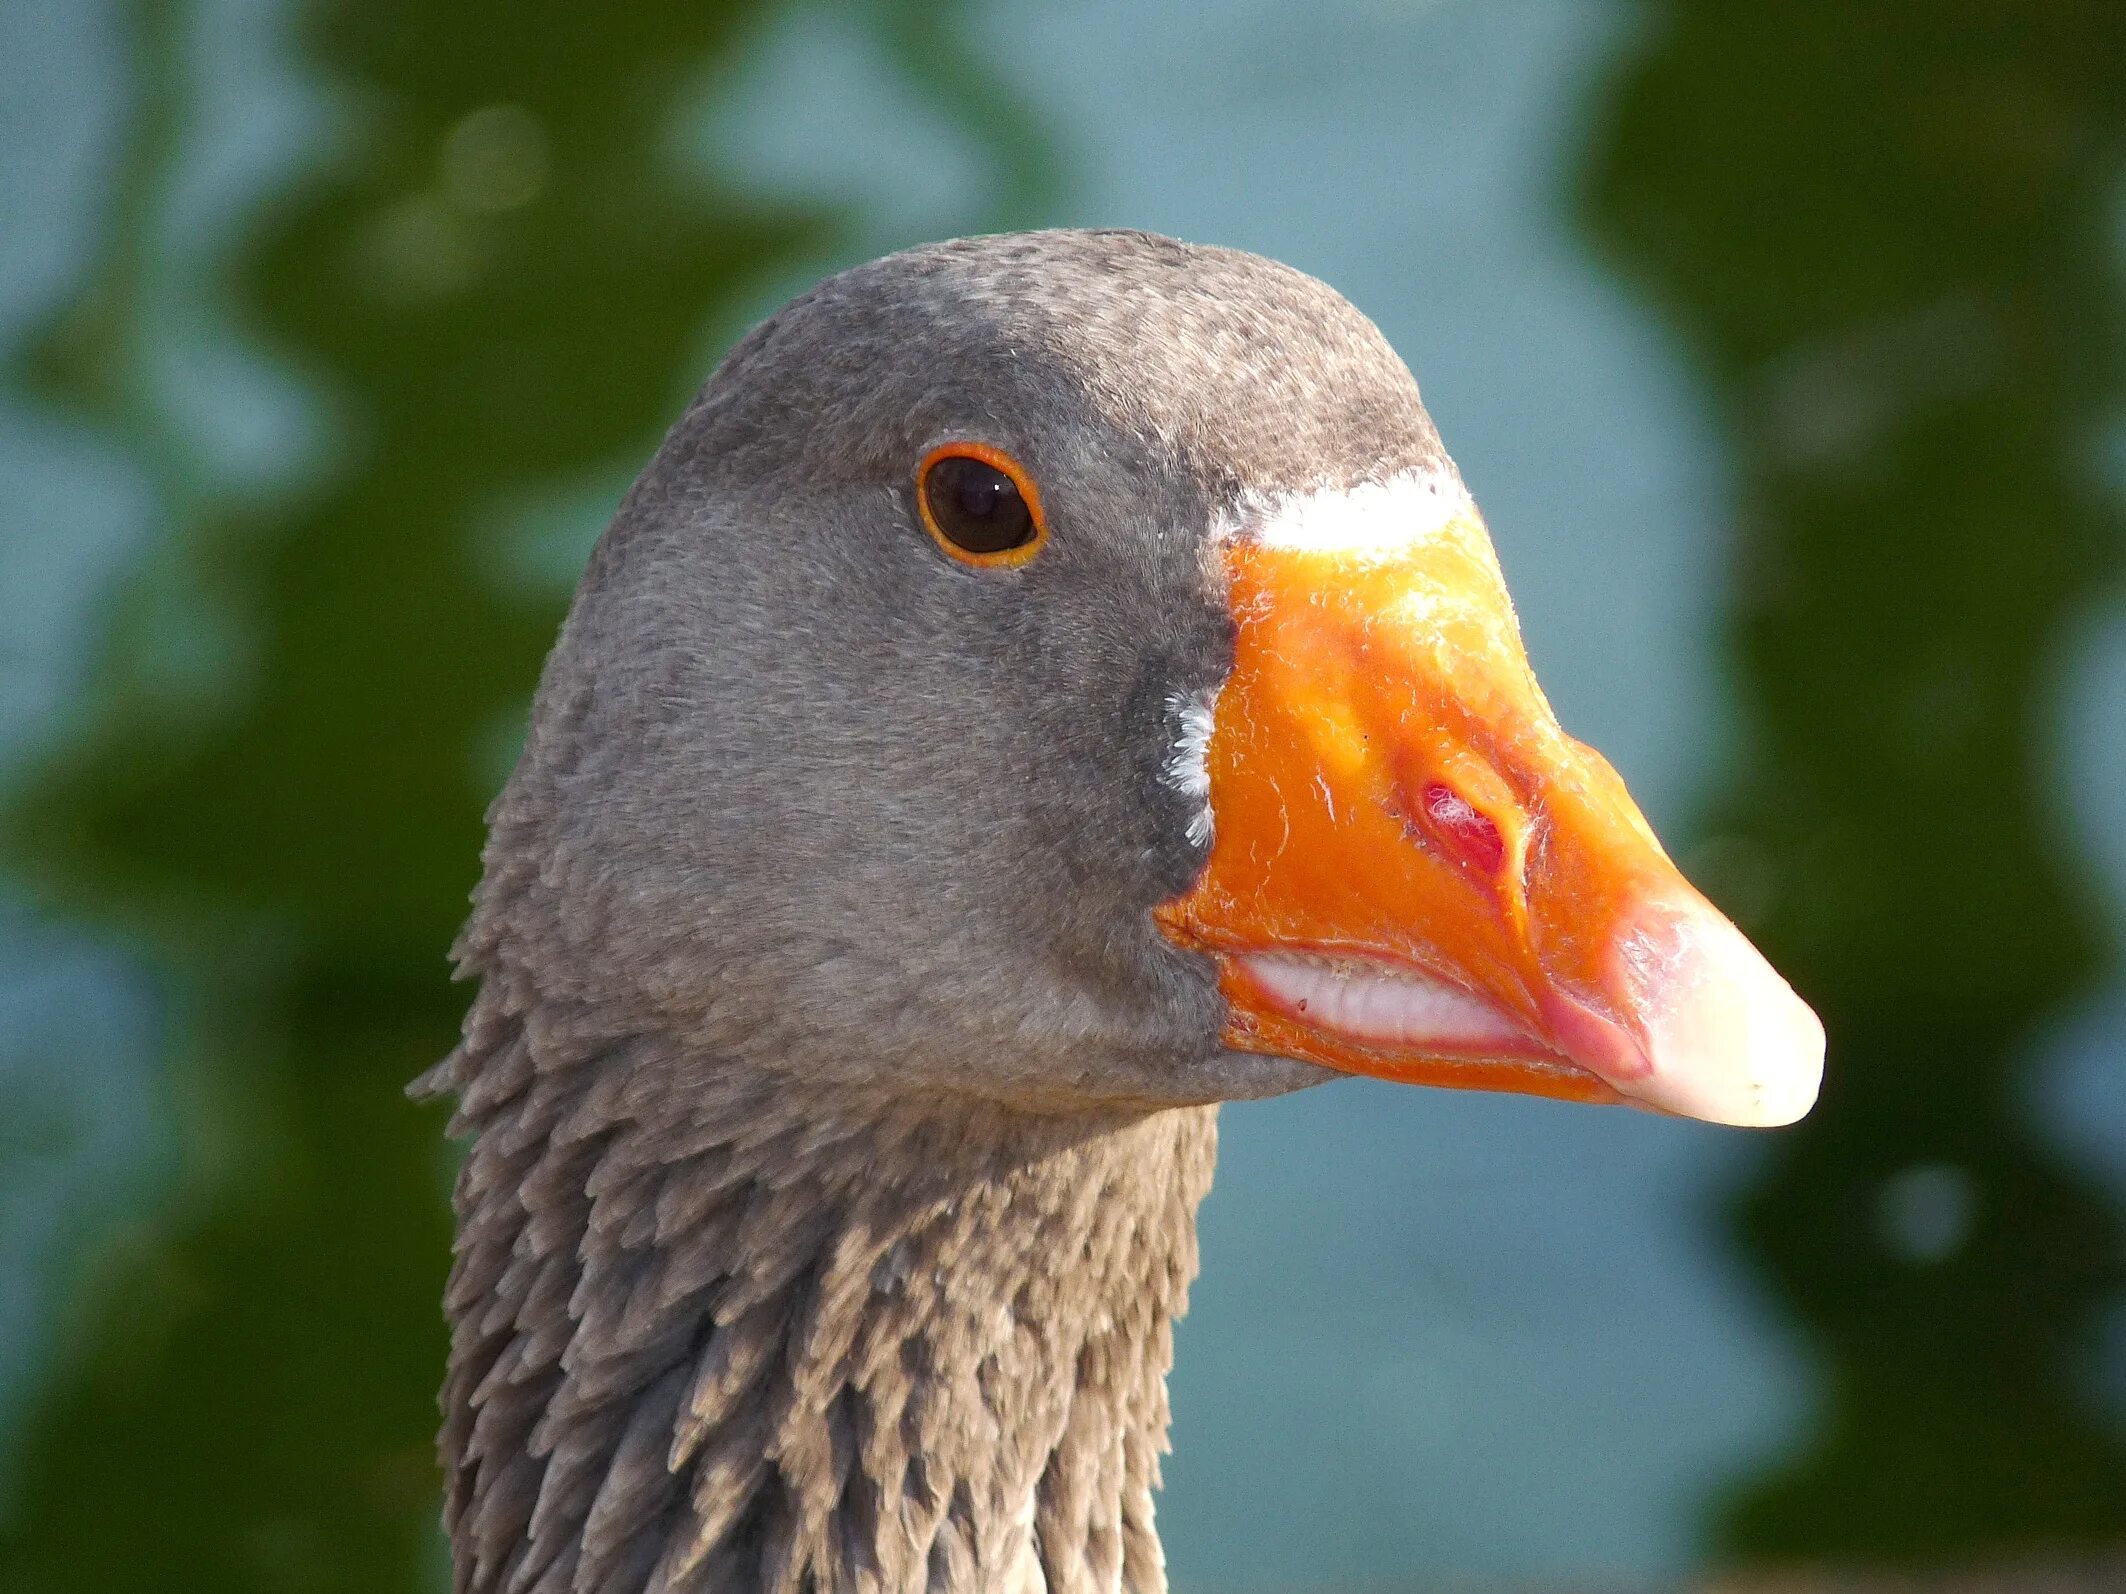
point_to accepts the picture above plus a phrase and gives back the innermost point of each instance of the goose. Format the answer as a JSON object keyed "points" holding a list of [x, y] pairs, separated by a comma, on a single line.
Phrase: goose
{"points": [[1043, 686]]}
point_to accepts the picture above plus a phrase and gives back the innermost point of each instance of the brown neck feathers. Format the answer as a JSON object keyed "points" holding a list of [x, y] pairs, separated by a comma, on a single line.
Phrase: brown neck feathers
{"points": [[712, 1332]]}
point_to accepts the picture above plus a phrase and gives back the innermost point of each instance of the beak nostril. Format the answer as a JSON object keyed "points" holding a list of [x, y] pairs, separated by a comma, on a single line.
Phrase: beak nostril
{"points": [[1462, 828]]}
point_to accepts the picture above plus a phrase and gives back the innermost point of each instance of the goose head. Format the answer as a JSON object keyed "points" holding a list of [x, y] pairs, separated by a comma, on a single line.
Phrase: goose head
{"points": [[1066, 670], [1042, 686]]}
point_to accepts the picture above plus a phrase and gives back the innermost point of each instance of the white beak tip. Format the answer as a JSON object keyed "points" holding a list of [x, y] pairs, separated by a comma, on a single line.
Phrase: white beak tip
{"points": [[1727, 1038]]}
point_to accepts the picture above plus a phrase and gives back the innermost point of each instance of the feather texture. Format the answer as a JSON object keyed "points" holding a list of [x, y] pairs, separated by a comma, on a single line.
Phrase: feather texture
{"points": [[716, 1342]]}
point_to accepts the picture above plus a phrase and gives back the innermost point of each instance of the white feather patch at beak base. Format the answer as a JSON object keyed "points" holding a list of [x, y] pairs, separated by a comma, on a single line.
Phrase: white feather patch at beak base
{"points": [[1369, 518], [1187, 770]]}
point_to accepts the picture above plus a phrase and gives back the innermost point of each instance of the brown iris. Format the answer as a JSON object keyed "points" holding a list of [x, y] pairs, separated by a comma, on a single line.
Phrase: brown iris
{"points": [[980, 505]]}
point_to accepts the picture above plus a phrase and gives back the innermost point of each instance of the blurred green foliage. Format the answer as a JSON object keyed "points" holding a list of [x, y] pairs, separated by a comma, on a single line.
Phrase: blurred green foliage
{"points": [[1886, 231]]}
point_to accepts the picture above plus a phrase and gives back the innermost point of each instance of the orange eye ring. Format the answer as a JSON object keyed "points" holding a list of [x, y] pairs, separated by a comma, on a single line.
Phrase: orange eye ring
{"points": [[938, 517]]}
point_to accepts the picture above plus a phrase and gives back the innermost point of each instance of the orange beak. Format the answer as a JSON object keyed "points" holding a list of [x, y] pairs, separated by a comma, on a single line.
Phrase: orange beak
{"points": [[1416, 874]]}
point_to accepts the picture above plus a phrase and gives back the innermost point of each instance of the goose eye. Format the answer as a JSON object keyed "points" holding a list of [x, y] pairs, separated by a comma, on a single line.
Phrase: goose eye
{"points": [[980, 505]]}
